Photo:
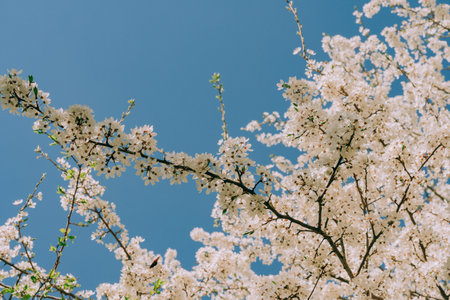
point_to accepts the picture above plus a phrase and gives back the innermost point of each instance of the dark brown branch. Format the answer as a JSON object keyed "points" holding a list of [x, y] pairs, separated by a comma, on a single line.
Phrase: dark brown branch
{"points": [[367, 254], [330, 181], [429, 156], [365, 206], [424, 250], [436, 193], [267, 204], [113, 234], [339, 278], [404, 167], [403, 198], [442, 292], [317, 281]]}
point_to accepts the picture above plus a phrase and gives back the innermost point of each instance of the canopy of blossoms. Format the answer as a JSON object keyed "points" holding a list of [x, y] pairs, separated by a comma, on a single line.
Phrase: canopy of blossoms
{"points": [[361, 213]]}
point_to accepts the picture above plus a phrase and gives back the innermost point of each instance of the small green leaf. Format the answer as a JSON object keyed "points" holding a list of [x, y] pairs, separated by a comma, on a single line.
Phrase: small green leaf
{"points": [[70, 174], [35, 91], [7, 290], [52, 249], [30, 78], [53, 137], [60, 190], [224, 210], [62, 230], [52, 274]]}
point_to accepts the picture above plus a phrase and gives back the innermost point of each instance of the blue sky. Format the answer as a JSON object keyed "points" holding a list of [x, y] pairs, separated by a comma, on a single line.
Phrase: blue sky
{"points": [[161, 53]]}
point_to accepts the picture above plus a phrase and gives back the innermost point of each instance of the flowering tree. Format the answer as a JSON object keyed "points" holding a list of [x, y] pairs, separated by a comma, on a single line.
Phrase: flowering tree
{"points": [[362, 213]]}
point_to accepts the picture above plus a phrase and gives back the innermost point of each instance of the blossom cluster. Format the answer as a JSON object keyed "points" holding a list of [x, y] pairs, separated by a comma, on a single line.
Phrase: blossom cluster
{"points": [[361, 213]]}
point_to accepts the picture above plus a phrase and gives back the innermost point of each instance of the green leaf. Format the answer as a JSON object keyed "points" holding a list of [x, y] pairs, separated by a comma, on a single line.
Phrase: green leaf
{"points": [[62, 241], [70, 174], [52, 249], [35, 91], [7, 290], [224, 210], [157, 286], [62, 230], [53, 137], [30, 78], [60, 190], [52, 274]]}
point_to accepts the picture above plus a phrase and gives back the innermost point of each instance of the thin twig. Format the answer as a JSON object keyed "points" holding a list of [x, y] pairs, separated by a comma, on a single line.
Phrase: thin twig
{"points": [[317, 281], [215, 80], [125, 114]]}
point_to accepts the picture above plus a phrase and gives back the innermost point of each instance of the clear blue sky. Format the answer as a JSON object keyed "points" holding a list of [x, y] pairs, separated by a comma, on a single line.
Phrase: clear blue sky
{"points": [[162, 53]]}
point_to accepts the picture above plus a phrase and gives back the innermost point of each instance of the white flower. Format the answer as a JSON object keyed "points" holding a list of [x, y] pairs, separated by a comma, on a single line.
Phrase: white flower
{"points": [[18, 202]]}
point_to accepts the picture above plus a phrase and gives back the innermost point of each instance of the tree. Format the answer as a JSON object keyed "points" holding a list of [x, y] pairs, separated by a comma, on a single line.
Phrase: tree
{"points": [[362, 213]]}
